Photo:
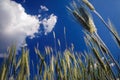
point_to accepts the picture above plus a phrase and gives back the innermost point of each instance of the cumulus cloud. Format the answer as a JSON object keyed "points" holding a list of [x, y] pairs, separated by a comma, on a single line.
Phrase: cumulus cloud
{"points": [[44, 8], [49, 23], [16, 24]]}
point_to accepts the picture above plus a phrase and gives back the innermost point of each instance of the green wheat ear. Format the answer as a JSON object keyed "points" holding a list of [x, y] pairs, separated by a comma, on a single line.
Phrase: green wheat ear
{"points": [[85, 19]]}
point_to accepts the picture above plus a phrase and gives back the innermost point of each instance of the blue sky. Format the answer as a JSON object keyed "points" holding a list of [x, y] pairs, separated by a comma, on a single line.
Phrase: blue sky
{"points": [[53, 16], [62, 18]]}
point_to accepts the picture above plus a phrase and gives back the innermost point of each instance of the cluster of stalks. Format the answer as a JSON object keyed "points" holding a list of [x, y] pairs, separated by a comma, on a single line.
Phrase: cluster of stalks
{"points": [[69, 65], [82, 14], [95, 64]]}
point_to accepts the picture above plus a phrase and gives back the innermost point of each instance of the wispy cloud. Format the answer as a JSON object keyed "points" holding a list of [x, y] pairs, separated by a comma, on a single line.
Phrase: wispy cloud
{"points": [[49, 23], [44, 8], [16, 24]]}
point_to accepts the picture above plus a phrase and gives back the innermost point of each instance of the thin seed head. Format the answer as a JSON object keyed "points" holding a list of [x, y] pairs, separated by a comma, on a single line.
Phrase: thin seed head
{"points": [[114, 32], [27, 64], [54, 34], [52, 64], [3, 74], [96, 53], [68, 8], [103, 48], [47, 50], [59, 43], [51, 49], [64, 67], [72, 46], [18, 64], [112, 27], [67, 59], [88, 4], [64, 31], [38, 53], [45, 75]]}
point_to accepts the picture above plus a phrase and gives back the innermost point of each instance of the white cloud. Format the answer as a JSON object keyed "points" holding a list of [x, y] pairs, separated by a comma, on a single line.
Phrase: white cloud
{"points": [[44, 8], [49, 23], [39, 16], [16, 24], [112, 64]]}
